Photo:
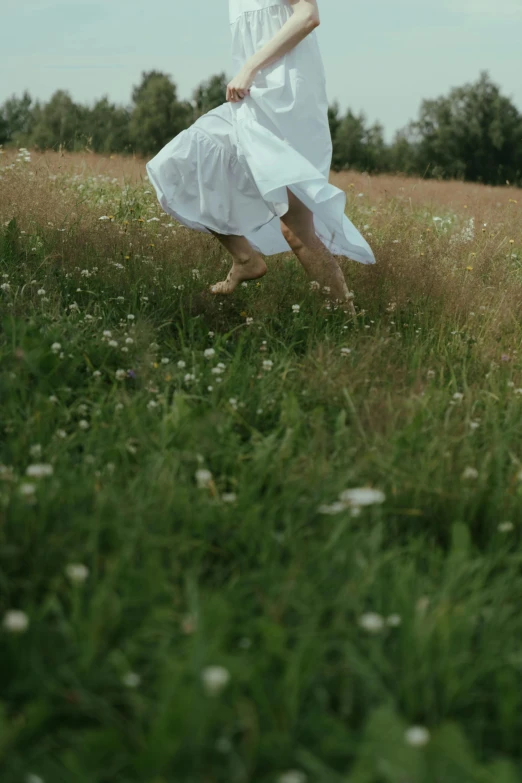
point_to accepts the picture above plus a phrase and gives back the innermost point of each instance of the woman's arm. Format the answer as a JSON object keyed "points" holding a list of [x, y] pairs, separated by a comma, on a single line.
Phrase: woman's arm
{"points": [[304, 19]]}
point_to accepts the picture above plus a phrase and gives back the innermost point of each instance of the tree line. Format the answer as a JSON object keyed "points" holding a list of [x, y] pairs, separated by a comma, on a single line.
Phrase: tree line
{"points": [[474, 133]]}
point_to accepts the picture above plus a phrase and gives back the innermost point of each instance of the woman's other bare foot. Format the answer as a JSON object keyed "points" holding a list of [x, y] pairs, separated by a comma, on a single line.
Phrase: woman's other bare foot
{"points": [[250, 268]]}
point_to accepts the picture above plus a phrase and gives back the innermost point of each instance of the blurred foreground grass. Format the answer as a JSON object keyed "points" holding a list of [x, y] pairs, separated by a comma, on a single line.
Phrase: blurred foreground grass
{"points": [[189, 591]]}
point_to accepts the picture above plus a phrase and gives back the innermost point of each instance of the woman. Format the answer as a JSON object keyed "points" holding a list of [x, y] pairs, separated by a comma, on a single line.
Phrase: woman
{"points": [[254, 172]]}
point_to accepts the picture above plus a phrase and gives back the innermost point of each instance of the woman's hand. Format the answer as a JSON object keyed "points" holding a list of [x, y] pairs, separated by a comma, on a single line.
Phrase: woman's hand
{"points": [[240, 86]]}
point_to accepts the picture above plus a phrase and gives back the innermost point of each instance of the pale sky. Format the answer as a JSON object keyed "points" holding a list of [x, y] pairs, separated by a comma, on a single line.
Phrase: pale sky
{"points": [[381, 56]]}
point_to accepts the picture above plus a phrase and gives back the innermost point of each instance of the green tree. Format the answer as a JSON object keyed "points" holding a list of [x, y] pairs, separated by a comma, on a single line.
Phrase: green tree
{"points": [[17, 119], [210, 94], [59, 122], [108, 127], [157, 116], [474, 133]]}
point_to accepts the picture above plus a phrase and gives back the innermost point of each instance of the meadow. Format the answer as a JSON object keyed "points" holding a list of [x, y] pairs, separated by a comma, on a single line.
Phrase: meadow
{"points": [[250, 539]]}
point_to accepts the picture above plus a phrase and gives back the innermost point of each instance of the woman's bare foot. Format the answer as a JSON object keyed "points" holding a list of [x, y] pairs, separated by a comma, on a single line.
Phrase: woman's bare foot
{"points": [[249, 269]]}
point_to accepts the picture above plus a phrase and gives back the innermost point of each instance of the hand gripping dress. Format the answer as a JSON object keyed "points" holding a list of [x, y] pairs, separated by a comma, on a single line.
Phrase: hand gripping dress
{"points": [[230, 171]]}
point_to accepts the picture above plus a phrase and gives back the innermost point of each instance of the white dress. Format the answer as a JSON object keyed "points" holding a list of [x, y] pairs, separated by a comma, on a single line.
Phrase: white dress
{"points": [[230, 171]]}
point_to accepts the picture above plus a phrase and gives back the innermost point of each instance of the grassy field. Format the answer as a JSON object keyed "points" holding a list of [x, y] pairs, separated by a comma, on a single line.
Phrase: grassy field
{"points": [[245, 539]]}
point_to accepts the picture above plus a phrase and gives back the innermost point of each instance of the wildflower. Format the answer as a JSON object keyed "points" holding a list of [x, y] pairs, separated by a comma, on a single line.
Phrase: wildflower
{"points": [[346, 351], [267, 364], [506, 527], [475, 424], [181, 364], [129, 340], [393, 621], [39, 470], [249, 321], [208, 353], [362, 496], [292, 776], [417, 736], [215, 679], [96, 374], [77, 572], [458, 396], [113, 343], [33, 779], [229, 497], [203, 478], [165, 360], [41, 292], [61, 434], [469, 268], [334, 508], [470, 473], [55, 347], [211, 334], [430, 374], [120, 375], [27, 489], [83, 424], [130, 317], [505, 357], [315, 285], [15, 621], [295, 308], [371, 622], [35, 450], [5, 287], [131, 680], [233, 402], [152, 404]]}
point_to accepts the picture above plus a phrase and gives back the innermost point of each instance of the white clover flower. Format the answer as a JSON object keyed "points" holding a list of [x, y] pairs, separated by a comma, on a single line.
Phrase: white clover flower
{"points": [[346, 351], [215, 679], [5, 287], [77, 572], [314, 285], [15, 621], [267, 364], [152, 404], [249, 321], [41, 292], [107, 333], [208, 353], [296, 308], [458, 396], [113, 343], [130, 317], [203, 478], [119, 406], [35, 450], [131, 680], [129, 340], [61, 433], [27, 489], [83, 424], [181, 364], [393, 621], [475, 424], [470, 473], [371, 622], [55, 347], [33, 779], [417, 736], [211, 334], [334, 508], [229, 497], [39, 470], [96, 374], [362, 496], [292, 776], [120, 375], [506, 527]]}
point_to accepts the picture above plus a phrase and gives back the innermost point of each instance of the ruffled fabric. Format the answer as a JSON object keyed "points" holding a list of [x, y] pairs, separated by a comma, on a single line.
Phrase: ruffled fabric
{"points": [[231, 170]]}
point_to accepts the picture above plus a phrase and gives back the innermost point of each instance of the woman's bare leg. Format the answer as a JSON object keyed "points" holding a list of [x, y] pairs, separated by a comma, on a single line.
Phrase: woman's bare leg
{"points": [[299, 231], [247, 263]]}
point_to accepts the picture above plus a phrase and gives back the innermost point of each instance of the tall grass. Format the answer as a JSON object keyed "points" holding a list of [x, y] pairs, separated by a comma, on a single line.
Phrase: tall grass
{"points": [[188, 515]]}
